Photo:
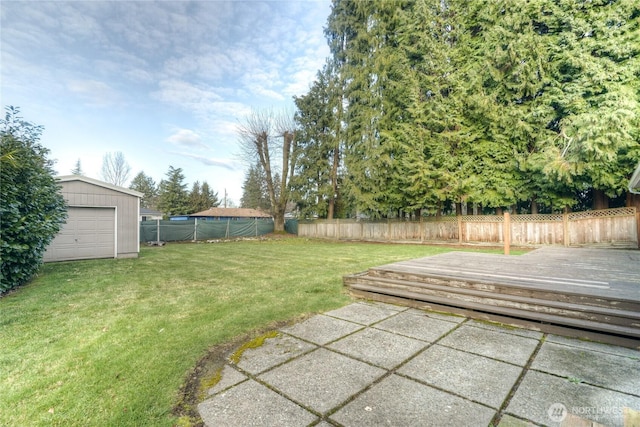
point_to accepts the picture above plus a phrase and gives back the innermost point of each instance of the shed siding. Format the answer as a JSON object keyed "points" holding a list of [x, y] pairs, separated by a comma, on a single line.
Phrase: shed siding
{"points": [[84, 194]]}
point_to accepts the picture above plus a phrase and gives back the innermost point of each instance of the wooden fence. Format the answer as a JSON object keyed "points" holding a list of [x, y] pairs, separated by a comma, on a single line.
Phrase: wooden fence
{"points": [[609, 227]]}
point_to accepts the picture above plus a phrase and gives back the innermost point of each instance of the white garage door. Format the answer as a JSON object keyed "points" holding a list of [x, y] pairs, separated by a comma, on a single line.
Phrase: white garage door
{"points": [[89, 233]]}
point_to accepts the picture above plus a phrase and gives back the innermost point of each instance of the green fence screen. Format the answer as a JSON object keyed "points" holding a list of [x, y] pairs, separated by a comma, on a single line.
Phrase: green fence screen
{"points": [[192, 229]]}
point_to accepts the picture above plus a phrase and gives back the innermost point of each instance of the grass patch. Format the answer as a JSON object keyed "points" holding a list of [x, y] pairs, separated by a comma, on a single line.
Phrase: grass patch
{"points": [[110, 342]]}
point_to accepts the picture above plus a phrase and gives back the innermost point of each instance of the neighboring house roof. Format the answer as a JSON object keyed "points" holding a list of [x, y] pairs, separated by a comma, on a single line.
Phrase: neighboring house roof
{"points": [[634, 183], [69, 178], [232, 213]]}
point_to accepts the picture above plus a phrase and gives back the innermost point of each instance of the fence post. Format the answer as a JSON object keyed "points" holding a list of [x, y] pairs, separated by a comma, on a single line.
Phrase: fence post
{"points": [[459, 218], [421, 228], [565, 228], [195, 231], [507, 233], [256, 221], [337, 229], [228, 223], [158, 231]]}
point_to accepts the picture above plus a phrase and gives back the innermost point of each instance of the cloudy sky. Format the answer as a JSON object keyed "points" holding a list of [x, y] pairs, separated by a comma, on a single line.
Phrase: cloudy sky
{"points": [[165, 83]]}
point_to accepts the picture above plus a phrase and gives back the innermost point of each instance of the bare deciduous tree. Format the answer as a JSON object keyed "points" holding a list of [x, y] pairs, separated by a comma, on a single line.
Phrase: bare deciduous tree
{"points": [[115, 169], [269, 138]]}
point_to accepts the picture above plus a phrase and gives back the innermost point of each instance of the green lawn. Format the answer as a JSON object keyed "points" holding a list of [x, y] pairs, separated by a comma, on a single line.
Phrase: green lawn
{"points": [[109, 342]]}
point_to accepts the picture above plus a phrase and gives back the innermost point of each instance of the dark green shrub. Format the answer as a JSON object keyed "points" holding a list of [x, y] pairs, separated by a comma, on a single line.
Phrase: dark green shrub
{"points": [[32, 209]]}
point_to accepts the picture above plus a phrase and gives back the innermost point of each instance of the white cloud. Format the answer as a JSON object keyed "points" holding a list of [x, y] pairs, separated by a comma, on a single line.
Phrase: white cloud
{"points": [[94, 93], [187, 138], [186, 94], [209, 161]]}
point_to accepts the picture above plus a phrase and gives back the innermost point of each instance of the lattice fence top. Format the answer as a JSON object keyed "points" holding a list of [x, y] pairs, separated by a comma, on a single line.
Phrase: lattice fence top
{"points": [[603, 213], [486, 218], [482, 218], [536, 217], [440, 219]]}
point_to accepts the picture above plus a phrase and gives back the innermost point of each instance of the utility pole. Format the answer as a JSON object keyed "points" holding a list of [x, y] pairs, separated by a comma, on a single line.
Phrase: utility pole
{"points": [[225, 198]]}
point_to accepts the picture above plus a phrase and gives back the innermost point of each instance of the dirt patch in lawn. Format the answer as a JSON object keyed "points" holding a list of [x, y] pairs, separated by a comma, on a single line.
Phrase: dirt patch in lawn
{"points": [[207, 370]]}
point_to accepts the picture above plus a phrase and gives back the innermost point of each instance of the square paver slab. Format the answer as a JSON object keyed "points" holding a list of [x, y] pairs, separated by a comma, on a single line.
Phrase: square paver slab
{"points": [[509, 421], [322, 379], [398, 401], [600, 369], [475, 377], [228, 377], [594, 346], [363, 313], [322, 329], [544, 399], [252, 404], [507, 329], [272, 352], [490, 343], [416, 324], [378, 347], [448, 317]]}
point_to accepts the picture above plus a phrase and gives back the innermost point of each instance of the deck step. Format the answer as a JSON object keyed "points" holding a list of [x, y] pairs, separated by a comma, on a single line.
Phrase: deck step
{"points": [[507, 285], [605, 337], [597, 313], [555, 319], [586, 292]]}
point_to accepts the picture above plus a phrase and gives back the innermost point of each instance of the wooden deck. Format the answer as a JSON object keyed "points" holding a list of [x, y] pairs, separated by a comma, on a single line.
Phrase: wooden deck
{"points": [[586, 293]]}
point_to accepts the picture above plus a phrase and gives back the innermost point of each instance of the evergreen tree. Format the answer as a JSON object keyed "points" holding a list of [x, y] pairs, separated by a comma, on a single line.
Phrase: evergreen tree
{"points": [[202, 198], [595, 95], [316, 182], [173, 198], [503, 103], [147, 186], [210, 197], [254, 192], [77, 169]]}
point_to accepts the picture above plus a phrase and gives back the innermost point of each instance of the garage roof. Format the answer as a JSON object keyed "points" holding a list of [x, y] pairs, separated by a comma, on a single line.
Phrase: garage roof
{"points": [[68, 178]]}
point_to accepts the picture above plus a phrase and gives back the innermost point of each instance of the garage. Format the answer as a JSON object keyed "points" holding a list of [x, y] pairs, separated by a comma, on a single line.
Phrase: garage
{"points": [[102, 221]]}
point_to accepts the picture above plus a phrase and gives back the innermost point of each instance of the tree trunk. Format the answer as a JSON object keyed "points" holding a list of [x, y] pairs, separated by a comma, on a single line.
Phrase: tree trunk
{"points": [[458, 209], [600, 200], [534, 206], [334, 183], [499, 211], [283, 197], [336, 161], [278, 222]]}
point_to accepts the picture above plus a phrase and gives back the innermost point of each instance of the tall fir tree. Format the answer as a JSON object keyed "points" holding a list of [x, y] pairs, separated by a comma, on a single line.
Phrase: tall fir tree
{"points": [[315, 187], [254, 192], [147, 186], [202, 197], [173, 198], [502, 104]]}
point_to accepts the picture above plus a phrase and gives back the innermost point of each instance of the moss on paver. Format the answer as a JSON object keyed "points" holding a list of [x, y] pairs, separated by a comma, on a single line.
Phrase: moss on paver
{"points": [[254, 343]]}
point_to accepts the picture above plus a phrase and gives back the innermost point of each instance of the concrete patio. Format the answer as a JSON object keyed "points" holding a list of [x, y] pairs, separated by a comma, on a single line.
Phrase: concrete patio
{"points": [[375, 364]]}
